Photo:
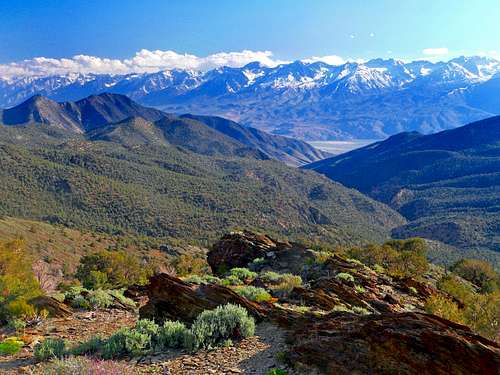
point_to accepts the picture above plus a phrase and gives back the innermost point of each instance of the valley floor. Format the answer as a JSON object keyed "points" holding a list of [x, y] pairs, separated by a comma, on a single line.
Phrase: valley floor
{"points": [[339, 147]]}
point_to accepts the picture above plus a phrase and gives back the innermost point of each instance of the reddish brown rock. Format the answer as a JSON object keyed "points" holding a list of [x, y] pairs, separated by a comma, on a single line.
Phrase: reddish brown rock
{"points": [[313, 297], [55, 308], [238, 249], [171, 298], [405, 343]]}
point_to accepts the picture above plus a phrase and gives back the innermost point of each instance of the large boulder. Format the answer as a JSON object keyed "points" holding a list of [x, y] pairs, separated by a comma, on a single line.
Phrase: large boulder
{"points": [[55, 308], [239, 249], [399, 343], [171, 298]]}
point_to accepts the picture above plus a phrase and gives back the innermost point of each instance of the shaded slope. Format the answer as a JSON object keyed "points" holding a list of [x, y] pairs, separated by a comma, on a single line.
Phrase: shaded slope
{"points": [[447, 184], [289, 150], [98, 110], [41, 110]]}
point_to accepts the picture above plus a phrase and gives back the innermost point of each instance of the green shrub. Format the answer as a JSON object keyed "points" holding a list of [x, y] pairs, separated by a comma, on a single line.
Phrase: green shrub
{"points": [[10, 346], [205, 279], [74, 291], [96, 280], [147, 327], [270, 276], [285, 281], [257, 263], [20, 308], [444, 307], [341, 308], [90, 347], [118, 294], [344, 276], [125, 342], [59, 296], [86, 366], [455, 287], [288, 282], [231, 280], [253, 293], [355, 261], [210, 279], [481, 312], [171, 335], [213, 327], [17, 282], [79, 302], [403, 258], [243, 274], [187, 264], [359, 289], [111, 269], [194, 279], [360, 310], [17, 324], [277, 371], [478, 272], [99, 299], [50, 349]]}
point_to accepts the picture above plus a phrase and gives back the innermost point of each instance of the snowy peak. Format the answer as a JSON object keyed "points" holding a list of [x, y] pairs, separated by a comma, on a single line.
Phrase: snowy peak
{"points": [[371, 99], [347, 79]]}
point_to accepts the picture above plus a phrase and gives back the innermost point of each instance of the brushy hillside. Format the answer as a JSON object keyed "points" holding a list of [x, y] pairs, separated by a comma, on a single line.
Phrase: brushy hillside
{"points": [[167, 191], [56, 250], [446, 184]]}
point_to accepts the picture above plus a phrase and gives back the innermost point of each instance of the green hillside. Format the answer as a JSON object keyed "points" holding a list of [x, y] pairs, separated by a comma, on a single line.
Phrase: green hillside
{"points": [[168, 191]]}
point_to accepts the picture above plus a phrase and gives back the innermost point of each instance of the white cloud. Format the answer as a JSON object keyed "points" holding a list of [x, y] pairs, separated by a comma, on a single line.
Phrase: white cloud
{"points": [[331, 60], [352, 36], [143, 61], [492, 54], [372, 35], [435, 51]]}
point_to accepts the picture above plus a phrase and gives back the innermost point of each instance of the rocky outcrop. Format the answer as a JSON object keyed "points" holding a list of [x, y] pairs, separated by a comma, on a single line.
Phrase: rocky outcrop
{"points": [[55, 308], [239, 249], [171, 298], [346, 318], [404, 343], [374, 291]]}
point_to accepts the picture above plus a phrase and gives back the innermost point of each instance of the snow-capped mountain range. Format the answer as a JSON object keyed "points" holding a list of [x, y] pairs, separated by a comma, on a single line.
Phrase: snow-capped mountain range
{"points": [[316, 101]]}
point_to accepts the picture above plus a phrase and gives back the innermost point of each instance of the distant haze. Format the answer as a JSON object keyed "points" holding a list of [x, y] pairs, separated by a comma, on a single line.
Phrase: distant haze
{"points": [[339, 147]]}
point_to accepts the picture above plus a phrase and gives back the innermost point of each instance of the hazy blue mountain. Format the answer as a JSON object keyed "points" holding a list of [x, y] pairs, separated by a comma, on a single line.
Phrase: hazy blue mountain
{"points": [[446, 184], [314, 101]]}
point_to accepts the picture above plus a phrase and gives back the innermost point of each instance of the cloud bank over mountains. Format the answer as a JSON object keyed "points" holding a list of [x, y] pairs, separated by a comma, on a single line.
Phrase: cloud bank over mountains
{"points": [[146, 61]]}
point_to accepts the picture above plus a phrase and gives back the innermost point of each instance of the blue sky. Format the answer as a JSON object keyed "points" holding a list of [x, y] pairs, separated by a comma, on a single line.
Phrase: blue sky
{"points": [[293, 29]]}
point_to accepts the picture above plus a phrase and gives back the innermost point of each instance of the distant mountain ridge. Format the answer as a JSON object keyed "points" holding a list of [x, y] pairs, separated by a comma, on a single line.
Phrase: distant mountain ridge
{"points": [[117, 118], [446, 184], [314, 101]]}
